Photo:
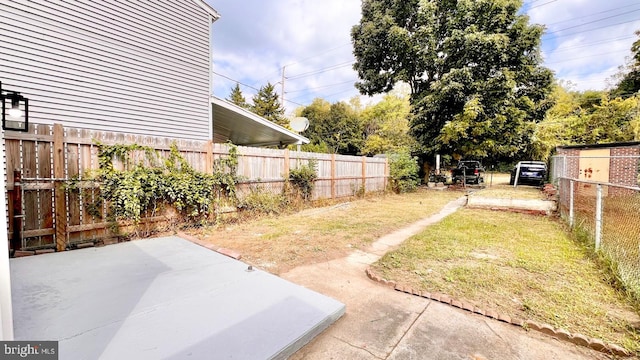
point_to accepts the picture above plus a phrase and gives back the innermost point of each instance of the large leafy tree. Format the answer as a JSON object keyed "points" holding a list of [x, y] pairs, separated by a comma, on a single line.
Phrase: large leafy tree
{"points": [[386, 126], [473, 67], [334, 127], [581, 118], [237, 98], [267, 105]]}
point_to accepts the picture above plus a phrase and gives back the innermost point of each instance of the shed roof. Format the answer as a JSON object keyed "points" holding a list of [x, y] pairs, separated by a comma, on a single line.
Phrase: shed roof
{"points": [[242, 127], [600, 146]]}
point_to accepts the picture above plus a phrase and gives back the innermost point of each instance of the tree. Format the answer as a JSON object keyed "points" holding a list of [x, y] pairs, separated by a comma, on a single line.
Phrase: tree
{"points": [[473, 68], [237, 98], [386, 126], [581, 118], [336, 127], [267, 105], [629, 76]]}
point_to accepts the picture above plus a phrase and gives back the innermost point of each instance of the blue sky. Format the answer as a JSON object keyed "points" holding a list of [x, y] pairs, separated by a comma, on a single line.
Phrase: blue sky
{"points": [[585, 43]]}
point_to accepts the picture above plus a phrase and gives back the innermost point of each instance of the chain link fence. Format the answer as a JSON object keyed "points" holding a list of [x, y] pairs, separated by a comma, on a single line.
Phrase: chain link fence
{"points": [[607, 213]]}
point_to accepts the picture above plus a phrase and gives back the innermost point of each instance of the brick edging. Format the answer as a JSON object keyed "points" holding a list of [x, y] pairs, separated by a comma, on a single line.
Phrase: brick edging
{"points": [[224, 251], [561, 334]]}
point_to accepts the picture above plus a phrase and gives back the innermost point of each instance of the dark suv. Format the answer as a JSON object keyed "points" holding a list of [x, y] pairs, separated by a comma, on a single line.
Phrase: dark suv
{"points": [[468, 172], [531, 172]]}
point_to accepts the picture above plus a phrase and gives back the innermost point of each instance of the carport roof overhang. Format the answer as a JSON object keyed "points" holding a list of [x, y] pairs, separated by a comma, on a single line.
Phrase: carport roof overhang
{"points": [[244, 128]]}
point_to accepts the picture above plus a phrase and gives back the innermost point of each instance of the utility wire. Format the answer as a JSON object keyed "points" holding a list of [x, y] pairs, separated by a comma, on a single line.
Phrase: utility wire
{"points": [[537, 6], [318, 54], [562, 49], [590, 15], [585, 57], [241, 83], [322, 86], [320, 71], [593, 21], [589, 30]]}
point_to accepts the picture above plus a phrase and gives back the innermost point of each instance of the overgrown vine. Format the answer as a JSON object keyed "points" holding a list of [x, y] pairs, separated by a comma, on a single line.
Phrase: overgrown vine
{"points": [[146, 187]]}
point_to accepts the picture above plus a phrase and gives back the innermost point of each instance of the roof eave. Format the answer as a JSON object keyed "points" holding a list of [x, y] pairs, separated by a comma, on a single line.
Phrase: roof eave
{"points": [[210, 10]]}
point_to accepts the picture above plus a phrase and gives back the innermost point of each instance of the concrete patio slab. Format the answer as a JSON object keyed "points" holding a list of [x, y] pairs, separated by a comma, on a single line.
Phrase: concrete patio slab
{"points": [[163, 298]]}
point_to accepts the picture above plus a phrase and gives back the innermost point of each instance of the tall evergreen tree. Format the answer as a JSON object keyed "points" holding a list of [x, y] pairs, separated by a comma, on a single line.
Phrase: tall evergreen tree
{"points": [[237, 98], [267, 105], [473, 67]]}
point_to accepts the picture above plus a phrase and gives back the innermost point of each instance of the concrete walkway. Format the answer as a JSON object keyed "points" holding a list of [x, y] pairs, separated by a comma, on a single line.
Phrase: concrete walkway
{"points": [[381, 323]]}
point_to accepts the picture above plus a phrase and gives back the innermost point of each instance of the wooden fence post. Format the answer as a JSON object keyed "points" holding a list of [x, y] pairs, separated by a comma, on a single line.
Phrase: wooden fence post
{"points": [[60, 198], [208, 148], [386, 174], [333, 176], [364, 174], [286, 165]]}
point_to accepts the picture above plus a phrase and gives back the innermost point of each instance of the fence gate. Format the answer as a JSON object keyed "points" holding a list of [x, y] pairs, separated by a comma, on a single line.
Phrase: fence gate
{"points": [[38, 230]]}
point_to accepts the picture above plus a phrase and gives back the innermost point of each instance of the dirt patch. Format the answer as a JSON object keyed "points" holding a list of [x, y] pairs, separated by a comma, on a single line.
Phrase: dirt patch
{"points": [[278, 244]]}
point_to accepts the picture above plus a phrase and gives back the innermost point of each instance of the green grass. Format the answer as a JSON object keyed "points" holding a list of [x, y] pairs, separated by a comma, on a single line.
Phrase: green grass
{"points": [[320, 234], [524, 266]]}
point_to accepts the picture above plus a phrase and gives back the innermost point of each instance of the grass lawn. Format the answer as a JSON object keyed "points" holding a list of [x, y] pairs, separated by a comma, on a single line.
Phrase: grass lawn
{"points": [[279, 243], [524, 266]]}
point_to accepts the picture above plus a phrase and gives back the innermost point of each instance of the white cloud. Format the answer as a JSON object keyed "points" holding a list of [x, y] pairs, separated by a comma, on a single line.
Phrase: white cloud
{"points": [[585, 42], [253, 40]]}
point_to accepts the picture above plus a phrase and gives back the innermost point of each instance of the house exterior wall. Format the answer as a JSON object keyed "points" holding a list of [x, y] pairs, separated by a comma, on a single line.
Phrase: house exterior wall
{"points": [[139, 67]]}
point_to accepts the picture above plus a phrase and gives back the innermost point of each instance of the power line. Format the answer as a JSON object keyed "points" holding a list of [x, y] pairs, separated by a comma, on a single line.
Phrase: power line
{"points": [[562, 49], [547, 3], [322, 86], [593, 21], [585, 57], [307, 58], [589, 30], [586, 16], [318, 54], [241, 83], [320, 71]]}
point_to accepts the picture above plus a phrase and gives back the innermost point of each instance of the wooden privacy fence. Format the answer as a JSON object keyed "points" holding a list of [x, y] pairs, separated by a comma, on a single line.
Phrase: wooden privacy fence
{"points": [[48, 215]]}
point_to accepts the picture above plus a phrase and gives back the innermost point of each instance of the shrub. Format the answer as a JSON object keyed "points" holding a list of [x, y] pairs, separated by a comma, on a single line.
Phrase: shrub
{"points": [[403, 172], [262, 201], [303, 178]]}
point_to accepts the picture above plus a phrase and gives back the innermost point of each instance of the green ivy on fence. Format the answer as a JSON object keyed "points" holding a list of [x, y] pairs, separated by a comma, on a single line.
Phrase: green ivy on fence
{"points": [[145, 188]]}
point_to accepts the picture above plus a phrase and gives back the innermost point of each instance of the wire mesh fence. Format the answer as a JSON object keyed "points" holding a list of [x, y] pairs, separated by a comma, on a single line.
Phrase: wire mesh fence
{"points": [[609, 216]]}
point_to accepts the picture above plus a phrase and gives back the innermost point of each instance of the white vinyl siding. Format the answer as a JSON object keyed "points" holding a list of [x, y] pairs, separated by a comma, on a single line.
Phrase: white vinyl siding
{"points": [[141, 67]]}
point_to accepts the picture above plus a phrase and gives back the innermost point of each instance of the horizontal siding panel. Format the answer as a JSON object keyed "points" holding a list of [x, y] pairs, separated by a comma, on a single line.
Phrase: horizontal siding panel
{"points": [[160, 31], [113, 33], [154, 14], [85, 48], [45, 101], [135, 66], [110, 90]]}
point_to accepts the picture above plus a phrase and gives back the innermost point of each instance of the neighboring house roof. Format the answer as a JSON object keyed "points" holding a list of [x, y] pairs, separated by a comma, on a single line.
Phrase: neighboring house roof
{"points": [[600, 146], [242, 127]]}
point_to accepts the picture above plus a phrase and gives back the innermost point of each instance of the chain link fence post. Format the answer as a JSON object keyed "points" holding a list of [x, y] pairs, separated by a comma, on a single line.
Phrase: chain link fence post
{"points": [[571, 212], [598, 231]]}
